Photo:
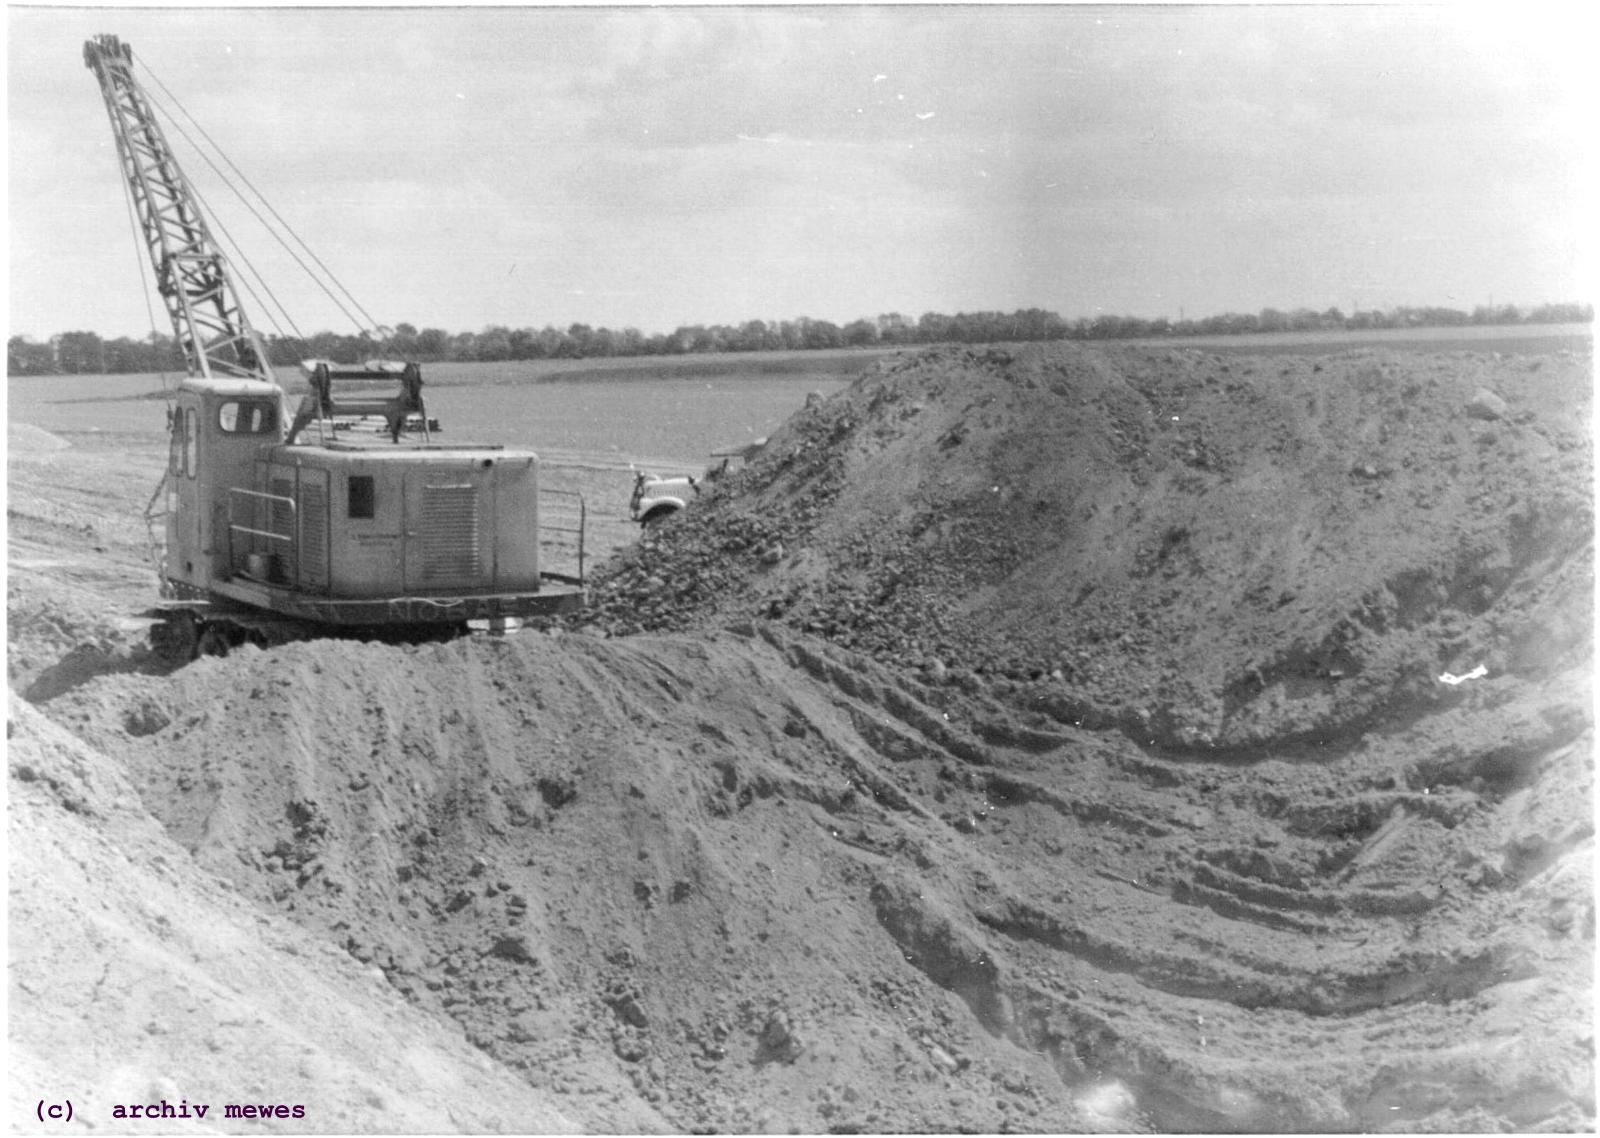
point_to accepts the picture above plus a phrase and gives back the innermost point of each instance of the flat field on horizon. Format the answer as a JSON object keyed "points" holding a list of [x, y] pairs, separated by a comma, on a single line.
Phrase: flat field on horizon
{"points": [[667, 413]]}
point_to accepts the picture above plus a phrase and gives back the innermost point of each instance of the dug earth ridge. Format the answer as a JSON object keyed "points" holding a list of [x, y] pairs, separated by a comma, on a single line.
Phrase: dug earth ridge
{"points": [[1032, 738]]}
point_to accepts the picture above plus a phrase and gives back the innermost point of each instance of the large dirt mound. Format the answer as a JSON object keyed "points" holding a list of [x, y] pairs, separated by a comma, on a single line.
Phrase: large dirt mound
{"points": [[1212, 552]]}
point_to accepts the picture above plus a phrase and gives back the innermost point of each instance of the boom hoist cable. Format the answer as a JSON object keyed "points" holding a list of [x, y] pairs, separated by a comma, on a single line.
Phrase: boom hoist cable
{"points": [[283, 227], [248, 270], [240, 261], [197, 279]]}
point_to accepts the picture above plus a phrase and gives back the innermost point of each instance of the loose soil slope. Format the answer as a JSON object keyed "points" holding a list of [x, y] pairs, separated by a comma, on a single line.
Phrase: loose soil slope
{"points": [[856, 844], [758, 883], [136, 977], [1214, 553]]}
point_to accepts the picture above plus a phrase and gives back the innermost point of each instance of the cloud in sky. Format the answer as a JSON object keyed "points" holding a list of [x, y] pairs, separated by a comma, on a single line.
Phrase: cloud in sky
{"points": [[650, 167]]}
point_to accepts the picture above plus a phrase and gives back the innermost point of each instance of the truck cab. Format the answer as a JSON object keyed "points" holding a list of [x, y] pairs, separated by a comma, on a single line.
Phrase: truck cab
{"points": [[656, 498]]}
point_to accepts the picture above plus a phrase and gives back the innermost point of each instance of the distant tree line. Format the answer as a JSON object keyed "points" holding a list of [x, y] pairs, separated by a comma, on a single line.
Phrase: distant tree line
{"points": [[85, 353]]}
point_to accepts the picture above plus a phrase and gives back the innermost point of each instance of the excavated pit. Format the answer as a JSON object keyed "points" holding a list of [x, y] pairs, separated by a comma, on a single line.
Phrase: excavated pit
{"points": [[1031, 739]]}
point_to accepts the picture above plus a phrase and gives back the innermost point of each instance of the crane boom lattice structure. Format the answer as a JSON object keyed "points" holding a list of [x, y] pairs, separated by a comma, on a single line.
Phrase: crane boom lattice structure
{"points": [[191, 271]]}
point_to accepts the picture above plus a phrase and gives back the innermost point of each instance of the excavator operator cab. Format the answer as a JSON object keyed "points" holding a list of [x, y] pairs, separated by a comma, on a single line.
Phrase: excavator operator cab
{"points": [[220, 429]]}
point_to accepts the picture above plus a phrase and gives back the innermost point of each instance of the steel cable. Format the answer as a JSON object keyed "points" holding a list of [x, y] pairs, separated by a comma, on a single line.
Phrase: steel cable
{"points": [[327, 274]]}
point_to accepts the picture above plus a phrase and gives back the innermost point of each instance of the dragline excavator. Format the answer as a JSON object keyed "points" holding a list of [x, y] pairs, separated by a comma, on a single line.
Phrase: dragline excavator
{"points": [[276, 527]]}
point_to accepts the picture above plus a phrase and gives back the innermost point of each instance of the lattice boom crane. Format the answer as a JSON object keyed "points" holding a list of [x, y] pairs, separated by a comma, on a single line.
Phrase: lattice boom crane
{"points": [[191, 271], [274, 532]]}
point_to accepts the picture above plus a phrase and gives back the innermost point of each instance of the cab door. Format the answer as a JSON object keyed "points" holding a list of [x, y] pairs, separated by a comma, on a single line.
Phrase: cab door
{"points": [[185, 517], [235, 433]]}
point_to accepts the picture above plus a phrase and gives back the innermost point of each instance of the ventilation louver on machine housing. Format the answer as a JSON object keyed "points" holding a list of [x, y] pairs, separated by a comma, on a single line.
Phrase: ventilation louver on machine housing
{"points": [[450, 534]]}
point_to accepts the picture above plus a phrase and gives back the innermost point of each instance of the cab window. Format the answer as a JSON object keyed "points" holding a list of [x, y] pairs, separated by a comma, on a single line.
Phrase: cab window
{"points": [[247, 417]]}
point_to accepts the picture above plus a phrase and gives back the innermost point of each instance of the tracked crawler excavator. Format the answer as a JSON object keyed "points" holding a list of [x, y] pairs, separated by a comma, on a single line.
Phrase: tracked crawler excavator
{"points": [[280, 528]]}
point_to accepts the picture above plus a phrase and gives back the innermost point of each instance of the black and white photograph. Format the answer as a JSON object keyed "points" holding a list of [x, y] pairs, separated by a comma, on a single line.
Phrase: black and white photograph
{"points": [[765, 569]]}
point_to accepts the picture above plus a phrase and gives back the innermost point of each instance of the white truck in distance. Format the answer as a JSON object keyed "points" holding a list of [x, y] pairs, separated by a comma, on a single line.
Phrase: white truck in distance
{"points": [[656, 498]]}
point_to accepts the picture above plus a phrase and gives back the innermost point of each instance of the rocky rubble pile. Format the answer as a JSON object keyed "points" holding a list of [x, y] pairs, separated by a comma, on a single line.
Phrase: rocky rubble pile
{"points": [[1208, 551], [770, 541]]}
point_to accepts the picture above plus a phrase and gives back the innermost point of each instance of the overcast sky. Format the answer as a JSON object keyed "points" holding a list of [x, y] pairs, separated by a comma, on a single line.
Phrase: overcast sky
{"points": [[652, 167]]}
